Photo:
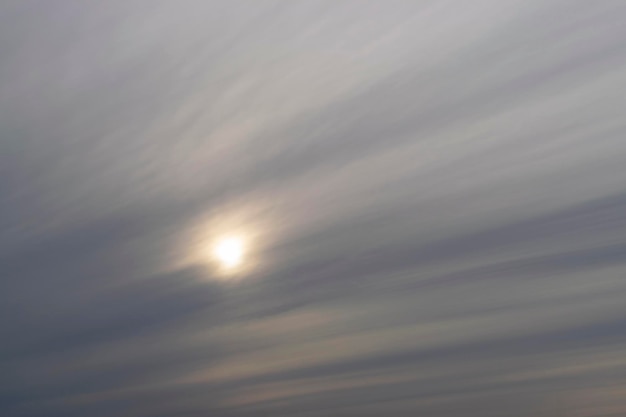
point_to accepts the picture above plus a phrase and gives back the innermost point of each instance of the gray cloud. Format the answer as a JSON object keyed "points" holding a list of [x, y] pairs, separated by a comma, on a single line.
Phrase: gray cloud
{"points": [[434, 193]]}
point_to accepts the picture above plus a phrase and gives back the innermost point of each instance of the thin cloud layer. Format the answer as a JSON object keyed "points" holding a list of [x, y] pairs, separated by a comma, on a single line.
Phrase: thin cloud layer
{"points": [[433, 194]]}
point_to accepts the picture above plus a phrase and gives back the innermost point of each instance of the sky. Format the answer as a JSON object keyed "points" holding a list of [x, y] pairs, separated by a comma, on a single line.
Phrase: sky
{"points": [[430, 198]]}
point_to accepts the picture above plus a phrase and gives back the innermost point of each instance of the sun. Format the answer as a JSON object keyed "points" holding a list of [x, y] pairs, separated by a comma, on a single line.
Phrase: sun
{"points": [[229, 252]]}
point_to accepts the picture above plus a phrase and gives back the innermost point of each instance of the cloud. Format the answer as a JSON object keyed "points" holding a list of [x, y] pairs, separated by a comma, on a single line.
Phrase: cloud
{"points": [[434, 191]]}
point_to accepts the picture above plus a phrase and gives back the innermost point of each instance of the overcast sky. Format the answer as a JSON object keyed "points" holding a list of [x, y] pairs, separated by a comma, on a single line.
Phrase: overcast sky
{"points": [[432, 196]]}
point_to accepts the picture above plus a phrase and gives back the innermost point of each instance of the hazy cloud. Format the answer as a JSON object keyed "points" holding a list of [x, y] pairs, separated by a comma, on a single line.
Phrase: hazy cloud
{"points": [[434, 193]]}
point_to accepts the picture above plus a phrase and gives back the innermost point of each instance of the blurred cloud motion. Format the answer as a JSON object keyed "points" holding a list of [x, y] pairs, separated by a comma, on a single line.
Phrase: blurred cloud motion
{"points": [[312, 208]]}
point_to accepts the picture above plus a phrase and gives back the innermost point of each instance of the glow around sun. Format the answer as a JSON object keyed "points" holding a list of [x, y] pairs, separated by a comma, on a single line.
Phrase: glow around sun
{"points": [[229, 252], [225, 243]]}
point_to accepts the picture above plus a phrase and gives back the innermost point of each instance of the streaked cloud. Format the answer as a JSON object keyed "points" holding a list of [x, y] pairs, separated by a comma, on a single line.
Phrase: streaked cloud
{"points": [[435, 193]]}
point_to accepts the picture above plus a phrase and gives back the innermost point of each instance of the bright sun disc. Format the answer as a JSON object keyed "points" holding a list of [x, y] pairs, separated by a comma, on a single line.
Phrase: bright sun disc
{"points": [[229, 252]]}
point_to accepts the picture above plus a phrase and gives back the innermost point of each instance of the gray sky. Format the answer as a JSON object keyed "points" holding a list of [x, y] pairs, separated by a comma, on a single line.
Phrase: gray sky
{"points": [[432, 195]]}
